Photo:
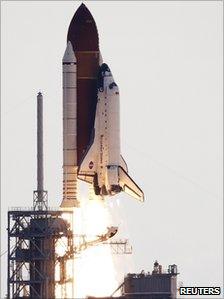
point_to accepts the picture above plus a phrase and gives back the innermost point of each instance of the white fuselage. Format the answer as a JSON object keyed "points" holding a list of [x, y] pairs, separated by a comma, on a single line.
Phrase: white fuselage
{"points": [[107, 129], [103, 166]]}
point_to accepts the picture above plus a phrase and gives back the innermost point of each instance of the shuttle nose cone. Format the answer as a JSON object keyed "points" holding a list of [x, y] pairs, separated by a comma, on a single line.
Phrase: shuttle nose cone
{"points": [[82, 31], [103, 72], [105, 79], [104, 68]]}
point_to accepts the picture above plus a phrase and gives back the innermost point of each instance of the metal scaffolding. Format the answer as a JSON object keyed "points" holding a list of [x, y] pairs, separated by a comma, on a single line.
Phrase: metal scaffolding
{"points": [[32, 254]]}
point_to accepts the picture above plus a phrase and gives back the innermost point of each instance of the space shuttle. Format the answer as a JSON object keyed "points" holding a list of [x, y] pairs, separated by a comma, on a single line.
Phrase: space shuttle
{"points": [[91, 120], [103, 165]]}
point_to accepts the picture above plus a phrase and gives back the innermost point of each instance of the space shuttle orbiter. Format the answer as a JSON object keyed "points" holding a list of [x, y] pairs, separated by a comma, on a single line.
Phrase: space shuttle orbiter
{"points": [[102, 165]]}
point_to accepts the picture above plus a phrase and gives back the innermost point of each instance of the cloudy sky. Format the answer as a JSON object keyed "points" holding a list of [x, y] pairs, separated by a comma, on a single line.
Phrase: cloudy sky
{"points": [[166, 58]]}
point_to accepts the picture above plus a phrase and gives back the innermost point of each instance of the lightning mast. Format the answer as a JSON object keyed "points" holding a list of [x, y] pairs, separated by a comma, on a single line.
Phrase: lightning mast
{"points": [[40, 200]]}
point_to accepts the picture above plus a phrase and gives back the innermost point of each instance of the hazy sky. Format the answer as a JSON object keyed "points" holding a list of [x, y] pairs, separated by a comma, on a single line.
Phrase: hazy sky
{"points": [[166, 58]]}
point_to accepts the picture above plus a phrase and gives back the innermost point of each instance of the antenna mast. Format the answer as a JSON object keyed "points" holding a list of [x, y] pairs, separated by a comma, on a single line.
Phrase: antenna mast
{"points": [[40, 201]]}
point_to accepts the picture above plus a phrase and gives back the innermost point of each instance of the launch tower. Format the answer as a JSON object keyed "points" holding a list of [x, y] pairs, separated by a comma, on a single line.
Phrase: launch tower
{"points": [[33, 235]]}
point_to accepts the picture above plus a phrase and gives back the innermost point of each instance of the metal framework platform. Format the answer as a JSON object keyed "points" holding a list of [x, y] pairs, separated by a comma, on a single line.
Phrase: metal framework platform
{"points": [[33, 236]]}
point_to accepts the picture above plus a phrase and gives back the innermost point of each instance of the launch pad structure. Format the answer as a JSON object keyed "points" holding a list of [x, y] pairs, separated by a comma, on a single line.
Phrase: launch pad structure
{"points": [[159, 284], [32, 258], [33, 237], [41, 241]]}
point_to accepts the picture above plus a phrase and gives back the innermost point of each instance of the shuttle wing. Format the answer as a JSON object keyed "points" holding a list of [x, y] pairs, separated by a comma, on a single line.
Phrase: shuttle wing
{"points": [[129, 186], [88, 165], [87, 168], [123, 164], [86, 177]]}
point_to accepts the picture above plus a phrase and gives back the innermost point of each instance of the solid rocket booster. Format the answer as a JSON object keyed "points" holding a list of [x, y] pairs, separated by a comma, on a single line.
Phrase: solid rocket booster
{"points": [[69, 128]]}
